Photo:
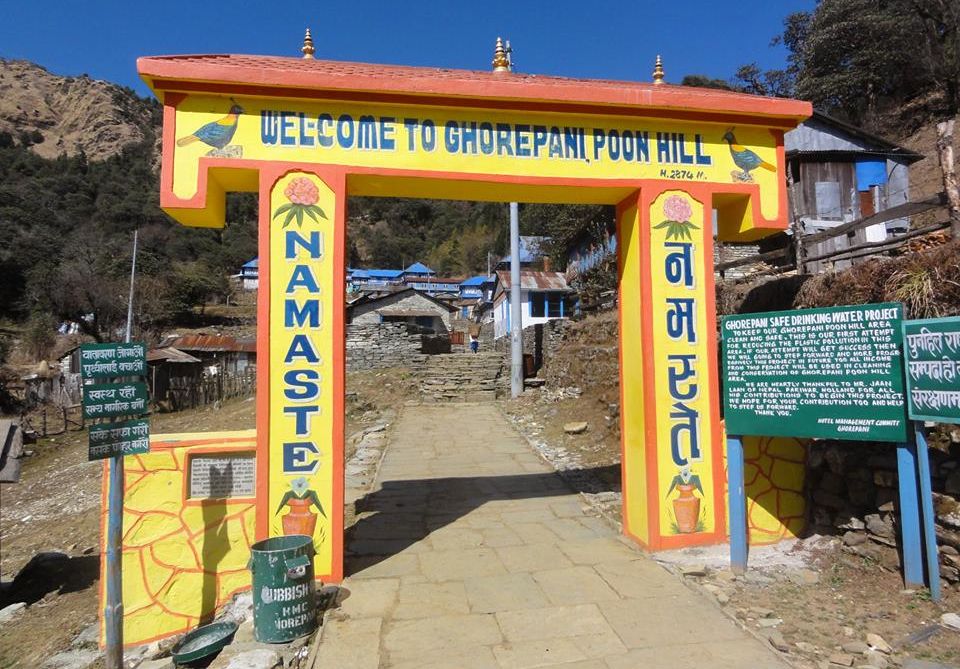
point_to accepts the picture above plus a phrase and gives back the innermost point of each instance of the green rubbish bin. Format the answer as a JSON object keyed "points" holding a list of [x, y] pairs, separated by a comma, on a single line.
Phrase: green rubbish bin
{"points": [[284, 592]]}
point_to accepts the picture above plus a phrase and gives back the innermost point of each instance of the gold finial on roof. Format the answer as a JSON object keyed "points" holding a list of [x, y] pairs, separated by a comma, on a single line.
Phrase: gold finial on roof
{"points": [[500, 61], [307, 47], [658, 71]]}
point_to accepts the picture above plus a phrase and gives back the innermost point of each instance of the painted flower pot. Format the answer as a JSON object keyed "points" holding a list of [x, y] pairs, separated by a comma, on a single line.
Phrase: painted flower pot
{"points": [[686, 509], [300, 519]]}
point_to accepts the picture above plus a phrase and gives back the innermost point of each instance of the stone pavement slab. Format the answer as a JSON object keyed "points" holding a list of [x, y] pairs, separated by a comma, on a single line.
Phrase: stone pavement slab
{"points": [[470, 553]]}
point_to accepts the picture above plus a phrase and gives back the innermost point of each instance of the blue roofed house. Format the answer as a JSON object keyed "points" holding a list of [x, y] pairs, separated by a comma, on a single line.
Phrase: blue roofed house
{"points": [[249, 275], [418, 271]]}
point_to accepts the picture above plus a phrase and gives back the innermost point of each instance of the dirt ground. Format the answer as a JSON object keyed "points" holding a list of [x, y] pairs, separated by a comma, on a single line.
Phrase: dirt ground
{"points": [[56, 508]]}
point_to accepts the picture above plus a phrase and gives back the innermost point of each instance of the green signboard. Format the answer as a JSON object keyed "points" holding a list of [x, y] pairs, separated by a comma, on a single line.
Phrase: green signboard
{"points": [[100, 361], [931, 350], [826, 373], [126, 437], [111, 400]]}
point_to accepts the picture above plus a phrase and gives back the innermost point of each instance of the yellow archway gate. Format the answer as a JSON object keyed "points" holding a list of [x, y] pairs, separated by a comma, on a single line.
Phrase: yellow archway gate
{"points": [[305, 134]]}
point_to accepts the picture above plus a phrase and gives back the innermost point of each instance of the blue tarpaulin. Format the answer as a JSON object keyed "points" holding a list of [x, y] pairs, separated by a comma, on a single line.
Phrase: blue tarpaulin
{"points": [[871, 173]]}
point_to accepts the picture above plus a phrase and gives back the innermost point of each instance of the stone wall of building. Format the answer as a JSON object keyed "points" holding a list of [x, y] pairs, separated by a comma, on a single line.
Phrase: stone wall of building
{"points": [[378, 345]]}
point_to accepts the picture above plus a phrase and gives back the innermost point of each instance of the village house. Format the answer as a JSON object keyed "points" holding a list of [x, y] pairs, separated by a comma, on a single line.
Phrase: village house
{"points": [[407, 305], [218, 353], [249, 275], [544, 296]]}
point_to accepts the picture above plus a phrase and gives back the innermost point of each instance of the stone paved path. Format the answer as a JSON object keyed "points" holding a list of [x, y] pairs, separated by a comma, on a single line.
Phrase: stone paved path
{"points": [[471, 553]]}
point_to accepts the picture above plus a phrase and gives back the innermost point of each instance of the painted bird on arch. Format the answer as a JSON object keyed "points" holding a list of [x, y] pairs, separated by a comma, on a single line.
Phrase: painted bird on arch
{"points": [[216, 133], [745, 159]]}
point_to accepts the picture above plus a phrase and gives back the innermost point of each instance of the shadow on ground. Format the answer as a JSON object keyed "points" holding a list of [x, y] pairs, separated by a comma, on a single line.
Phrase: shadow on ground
{"points": [[48, 572], [403, 512]]}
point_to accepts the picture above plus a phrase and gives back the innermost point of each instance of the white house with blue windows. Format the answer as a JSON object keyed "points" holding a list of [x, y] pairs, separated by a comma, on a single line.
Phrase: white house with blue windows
{"points": [[544, 296], [249, 275]]}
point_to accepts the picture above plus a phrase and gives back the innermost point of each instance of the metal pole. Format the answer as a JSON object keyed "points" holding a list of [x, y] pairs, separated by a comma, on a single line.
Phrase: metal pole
{"points": [[516, 311], [113, 611], [926, 506], [738, 505]]}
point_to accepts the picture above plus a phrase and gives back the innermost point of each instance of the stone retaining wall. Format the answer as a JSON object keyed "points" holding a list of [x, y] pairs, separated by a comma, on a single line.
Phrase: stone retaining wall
{"points": [[378, 345], [854, 492]]}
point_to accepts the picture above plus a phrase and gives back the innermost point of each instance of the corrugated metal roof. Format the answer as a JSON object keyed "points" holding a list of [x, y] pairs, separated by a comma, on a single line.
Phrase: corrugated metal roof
{"points": [[530, 280], [169, 354], [476, 281], [252, 263], [211, 343]]}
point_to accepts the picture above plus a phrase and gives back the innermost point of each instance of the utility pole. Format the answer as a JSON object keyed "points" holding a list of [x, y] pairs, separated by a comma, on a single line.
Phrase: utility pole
{"points": [[113, 611], [503, 62]]}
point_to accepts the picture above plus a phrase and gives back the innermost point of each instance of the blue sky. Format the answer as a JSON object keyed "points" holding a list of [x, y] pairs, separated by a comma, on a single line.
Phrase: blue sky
{"points": [[600, 38]]}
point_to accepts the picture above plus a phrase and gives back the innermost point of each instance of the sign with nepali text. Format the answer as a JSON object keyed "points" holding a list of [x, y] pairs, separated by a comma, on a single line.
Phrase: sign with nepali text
{"points": [[823, 373], [98, 361], [112, 400], [931, 350], [128, 437]]}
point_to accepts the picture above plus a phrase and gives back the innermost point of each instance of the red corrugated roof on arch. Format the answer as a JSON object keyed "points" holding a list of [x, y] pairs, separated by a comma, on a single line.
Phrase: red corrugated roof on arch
{"points": [[196, 73]]}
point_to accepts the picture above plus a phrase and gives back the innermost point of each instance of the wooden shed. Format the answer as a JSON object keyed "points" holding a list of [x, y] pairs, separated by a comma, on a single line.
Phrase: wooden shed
{"points": [[841, 173]]}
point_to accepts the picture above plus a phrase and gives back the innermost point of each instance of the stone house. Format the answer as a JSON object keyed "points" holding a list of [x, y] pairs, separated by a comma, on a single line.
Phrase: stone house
{"points": [[404, 306]]}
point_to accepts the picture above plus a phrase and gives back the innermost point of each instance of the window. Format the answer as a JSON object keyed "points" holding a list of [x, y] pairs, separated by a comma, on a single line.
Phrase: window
{"points": [[549, 305]]}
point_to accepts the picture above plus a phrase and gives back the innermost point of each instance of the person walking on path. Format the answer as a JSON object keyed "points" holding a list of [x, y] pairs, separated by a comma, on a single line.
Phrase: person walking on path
{"points": [[474, 343]]}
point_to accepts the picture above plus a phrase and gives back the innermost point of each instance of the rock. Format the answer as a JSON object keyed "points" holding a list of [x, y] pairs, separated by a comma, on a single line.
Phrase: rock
{"points": [[847, 520], [877, 642], [8, 612], [72, 659], [244, 632], [841, 659], [777, 641], [950, 621], [854, 538], [878, 526], [576, 427], [239, 609], [722, 598], [256, 659], [758, 612], [88, 638], [803, 577], [805, 647], [769, 622], [164, 663], [855, 647], [692, 570], [877, 659], [847, 631]]}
